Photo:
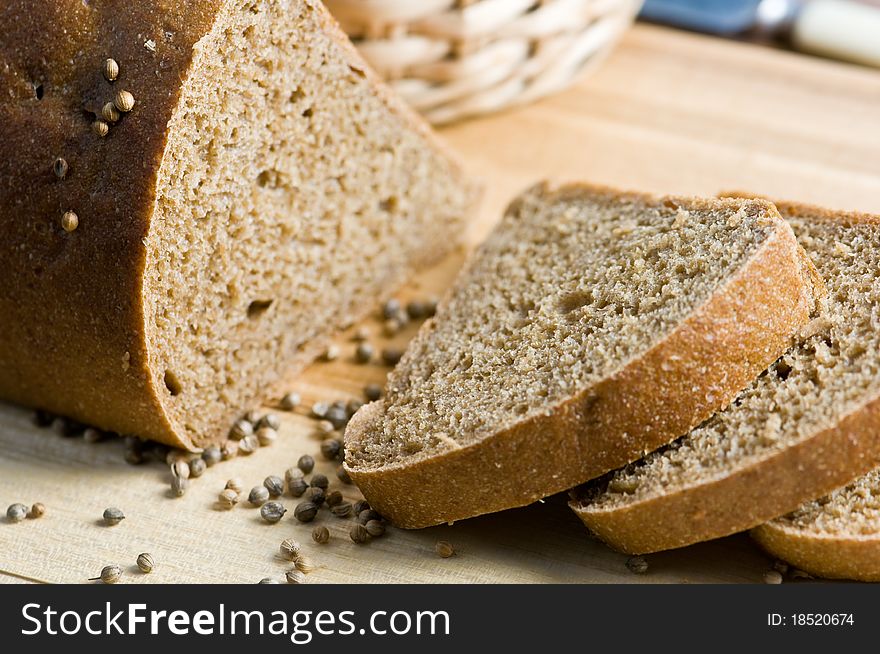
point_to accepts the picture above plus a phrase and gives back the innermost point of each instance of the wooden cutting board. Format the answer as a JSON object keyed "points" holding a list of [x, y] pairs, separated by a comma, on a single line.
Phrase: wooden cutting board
{"points": [[669, 112]]}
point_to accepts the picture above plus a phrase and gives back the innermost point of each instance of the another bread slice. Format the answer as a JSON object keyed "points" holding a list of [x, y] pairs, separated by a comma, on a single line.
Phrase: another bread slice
{"points": [[810, 424], [591, 327], [837, 536], [265, 190]]}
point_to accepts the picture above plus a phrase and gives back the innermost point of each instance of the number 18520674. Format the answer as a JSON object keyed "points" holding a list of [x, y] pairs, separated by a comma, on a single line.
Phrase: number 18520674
{"points": [[810, 620]]}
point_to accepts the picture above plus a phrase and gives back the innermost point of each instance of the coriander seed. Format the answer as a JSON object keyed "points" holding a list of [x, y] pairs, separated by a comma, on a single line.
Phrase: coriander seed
{"points": [[101, 128], [319, 409], [38, 510], [145, 562], [315, 495], [235, 484], [290, 401], [772, 577], [211, 456], [330, 448], [227, 498], [229, 450], [333, 498], [251, 416], [391, 356], [297, 487], [269, 420], [197, 467], [361, 334], [359, 534], [341, 510], [60, 168], [92, 435], [391, 327], [275, 485], [304, 564], [110, 113], [637, 565], [375, 528], [338, 416], [249, 444], [305, 511], [342, 475], [268, 580], [16, 512], [444, 549], [324, 427], [241, 429], [111, 70], [124, 101], [363, 353], [353, 407], [321, 535], [331, 353], [290, 549], [113, 516], [417, 310], [110, 574], [361, 505], [69, 221], [258, 496], [306, 463], [180, 468], [272, 512], [295, 577], [292, 474], [366, 515], [319, 481], [372, 392], [391, 308], [179, 485], [266, 436]]}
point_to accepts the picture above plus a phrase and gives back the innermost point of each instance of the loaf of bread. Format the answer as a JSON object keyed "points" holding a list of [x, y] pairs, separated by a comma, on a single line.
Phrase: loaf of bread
{"points": [[181, 224], [592, 326], [807, 426], [836, 536]]}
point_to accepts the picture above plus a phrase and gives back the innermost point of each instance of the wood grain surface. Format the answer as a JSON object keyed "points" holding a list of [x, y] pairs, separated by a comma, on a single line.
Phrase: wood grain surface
{"points": [[668, 112]]}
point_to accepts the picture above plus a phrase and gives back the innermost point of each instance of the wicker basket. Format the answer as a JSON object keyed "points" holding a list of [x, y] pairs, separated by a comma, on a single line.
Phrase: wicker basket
{"points": [[457, 58]]}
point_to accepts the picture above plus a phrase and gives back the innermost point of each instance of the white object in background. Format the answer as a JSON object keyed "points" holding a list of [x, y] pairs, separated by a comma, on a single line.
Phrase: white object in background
{"points": [[839, 28]]}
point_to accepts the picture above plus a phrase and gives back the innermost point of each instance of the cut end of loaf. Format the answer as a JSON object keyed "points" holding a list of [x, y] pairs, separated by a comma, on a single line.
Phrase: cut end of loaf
{"points": [[291, 195]]}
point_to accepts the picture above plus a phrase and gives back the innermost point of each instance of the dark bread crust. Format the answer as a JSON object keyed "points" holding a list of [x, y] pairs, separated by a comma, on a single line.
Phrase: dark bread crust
{"points": [[768, 488], [73, 332], [723, 346]]}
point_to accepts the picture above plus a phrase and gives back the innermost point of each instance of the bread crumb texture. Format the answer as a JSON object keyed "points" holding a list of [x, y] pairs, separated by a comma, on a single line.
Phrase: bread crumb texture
{"points": [[570, 287], [832, 373]]}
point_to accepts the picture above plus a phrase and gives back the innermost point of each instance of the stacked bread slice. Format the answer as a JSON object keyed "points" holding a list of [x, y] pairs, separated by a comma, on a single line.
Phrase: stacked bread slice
{"points": [[592, 327], [808, 425]]}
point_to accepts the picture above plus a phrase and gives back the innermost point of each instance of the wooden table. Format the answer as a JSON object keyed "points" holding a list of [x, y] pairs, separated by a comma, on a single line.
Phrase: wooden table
{"points": [[669, 112]]}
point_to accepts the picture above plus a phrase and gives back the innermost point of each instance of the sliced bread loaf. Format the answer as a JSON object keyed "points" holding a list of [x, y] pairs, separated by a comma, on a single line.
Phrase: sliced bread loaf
{"points": [[591, 327], [243, 187], [837, 536], [808, 425]]}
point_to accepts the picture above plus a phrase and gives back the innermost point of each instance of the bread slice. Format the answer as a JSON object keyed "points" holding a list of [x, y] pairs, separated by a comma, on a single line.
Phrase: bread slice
{"points": [[810, 424], [543, 367], [837, 536], [265, 190]]}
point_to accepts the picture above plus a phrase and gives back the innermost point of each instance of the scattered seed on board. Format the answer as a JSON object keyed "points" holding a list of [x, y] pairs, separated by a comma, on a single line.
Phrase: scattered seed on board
{"points": [[113, 516], [272, 512], [304, 564], [306, 463], [268, 580], [391, 356], [320, 535], [16, 512], [361, 505], [134, 451], [315, 495], [366, 515], [331, 353], [417, 310], [266, 436], [180, 468], [179, 485], [275, 485], [363, 353], [110, 574], [353, 406], [258, 496], [38, 510], [319, 481], [772, 577], [124, 101], [391, 327], [319, 409], [145, 563], [333, 498], [295, 577], [391, 308], [290, 549], [110, 113], [637, 565], [197, 467], [330, 448], [270, 420], [290, 401], [249, 444], [372, 392], [342, 475], [229, 450], [252, 417], [235, 484], [444, 549], [361, 334], [241, 429], [375, 528], [111, 70], [227, 498], [341, 510], [338, 416], [359, 534], [297, 487], [211, 456], [101, 128], [305, 511], [60, 168], [69, 221]]}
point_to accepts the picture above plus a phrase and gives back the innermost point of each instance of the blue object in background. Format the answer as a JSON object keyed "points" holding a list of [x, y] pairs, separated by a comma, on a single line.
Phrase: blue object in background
{"points": [[722, 17]]}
